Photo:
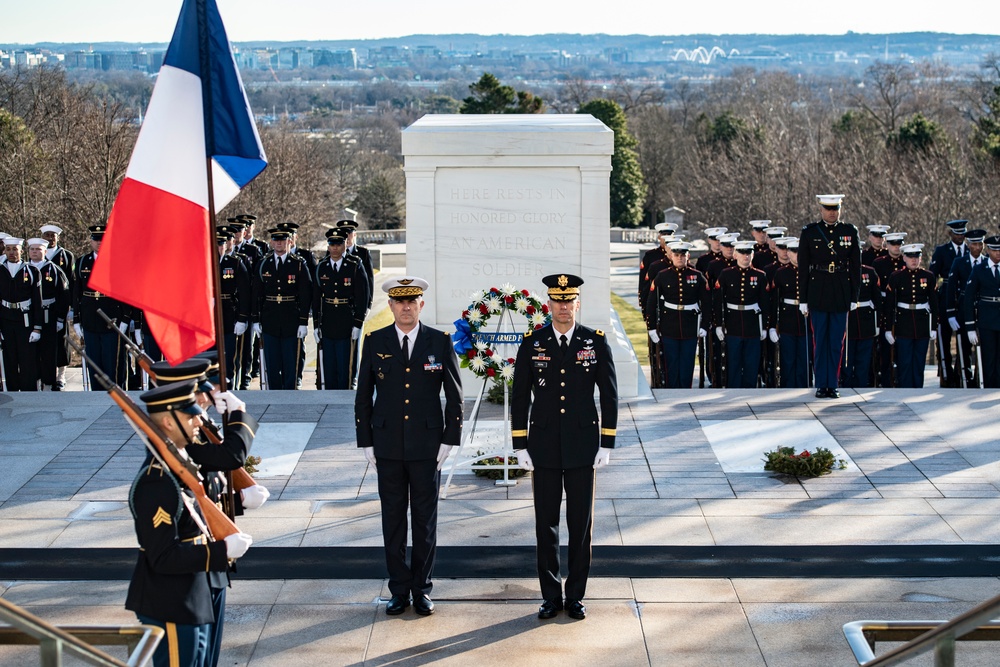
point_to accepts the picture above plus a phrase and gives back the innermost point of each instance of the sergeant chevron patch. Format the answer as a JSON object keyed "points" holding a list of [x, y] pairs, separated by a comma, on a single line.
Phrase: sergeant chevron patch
{"points": [[161, 518]]}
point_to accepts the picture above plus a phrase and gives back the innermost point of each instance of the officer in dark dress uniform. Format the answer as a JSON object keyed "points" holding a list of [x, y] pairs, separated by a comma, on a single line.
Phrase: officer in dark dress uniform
{"points": [[740, 299], [885, 266], [910, 311], [340, 292], [349, 221], [677, 301], [876, 244], [830, 261], [786, 325], [282, 298], [250, 342], [21, 318], [961, 271], [941, 262], [65, 260], [557, 433], [103, 346], [56, 298], [981, 312], [406, 436], [171, 583], [235, 291], [862, 332]]}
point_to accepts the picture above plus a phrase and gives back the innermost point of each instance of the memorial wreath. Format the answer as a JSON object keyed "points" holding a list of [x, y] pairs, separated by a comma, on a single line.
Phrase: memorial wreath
{"points": [[478, 355]]}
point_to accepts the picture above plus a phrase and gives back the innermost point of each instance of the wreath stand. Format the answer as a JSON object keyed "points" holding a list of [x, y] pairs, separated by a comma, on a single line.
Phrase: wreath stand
{"points": [[467, 454]]}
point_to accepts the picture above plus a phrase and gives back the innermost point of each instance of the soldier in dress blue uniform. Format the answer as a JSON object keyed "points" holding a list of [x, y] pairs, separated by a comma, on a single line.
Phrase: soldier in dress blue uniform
{"points": [[830, 258], [981, 312], [961, 270], [340, 295], [20, 318], [876, 244], [250, 342], [348, 219], [910, 310], [862, 332], [171, 583], [293, 249], [941, 262], [406, 436], [282, 298], [55, 298], [65, 260], [740, 299], [786, 325], [557, 434], [678, 300], [235, 291]]}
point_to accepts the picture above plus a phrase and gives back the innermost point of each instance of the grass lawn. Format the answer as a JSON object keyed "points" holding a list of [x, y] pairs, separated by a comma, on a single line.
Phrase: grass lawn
{"points": [[635, 326]]}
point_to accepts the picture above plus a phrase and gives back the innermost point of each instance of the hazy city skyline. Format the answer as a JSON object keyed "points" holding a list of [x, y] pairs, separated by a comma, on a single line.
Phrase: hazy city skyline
{"points": [[257, 20]]}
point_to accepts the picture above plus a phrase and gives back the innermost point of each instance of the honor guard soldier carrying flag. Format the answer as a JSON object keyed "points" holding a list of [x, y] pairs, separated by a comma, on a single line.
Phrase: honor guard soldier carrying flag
{"points": [[677, 301], [981, 313], [340, 295], [786, 325], [55, 298], [830, 259], [236, 292], [910, 312], [740, 299], [282, 298], [941, 262], [876, 244], [558, 435], [961, 271], [20, 319]]}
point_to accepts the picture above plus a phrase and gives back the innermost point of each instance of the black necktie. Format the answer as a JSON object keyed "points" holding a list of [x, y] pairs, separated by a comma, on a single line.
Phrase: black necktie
{"points": [[562, 342], [406, 348]]}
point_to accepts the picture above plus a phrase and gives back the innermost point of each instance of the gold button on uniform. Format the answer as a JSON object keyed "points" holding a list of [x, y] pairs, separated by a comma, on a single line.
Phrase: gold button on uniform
{"points": [[406, 416], [407, 401], [562, 410]]}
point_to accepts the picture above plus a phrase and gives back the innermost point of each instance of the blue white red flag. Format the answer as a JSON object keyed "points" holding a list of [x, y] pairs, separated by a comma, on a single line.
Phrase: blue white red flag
{"points": [[159, 248]]}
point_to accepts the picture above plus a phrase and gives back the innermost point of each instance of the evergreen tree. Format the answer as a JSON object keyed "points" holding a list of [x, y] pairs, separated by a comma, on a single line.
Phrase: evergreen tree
{"points": [[628, 187]]}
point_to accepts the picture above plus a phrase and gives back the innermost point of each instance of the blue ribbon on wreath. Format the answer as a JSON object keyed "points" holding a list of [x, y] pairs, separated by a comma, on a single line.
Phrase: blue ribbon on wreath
{"points": [[462, 338]]}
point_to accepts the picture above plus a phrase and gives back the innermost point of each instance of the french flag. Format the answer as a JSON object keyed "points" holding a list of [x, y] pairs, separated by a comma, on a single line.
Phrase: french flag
{"points": [[159, 251]]}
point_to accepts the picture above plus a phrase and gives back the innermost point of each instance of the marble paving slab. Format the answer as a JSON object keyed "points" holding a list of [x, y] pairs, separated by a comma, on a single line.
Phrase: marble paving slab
{"points": [[741, 448]]}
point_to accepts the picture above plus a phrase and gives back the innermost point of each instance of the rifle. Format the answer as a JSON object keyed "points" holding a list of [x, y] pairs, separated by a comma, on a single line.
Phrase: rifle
{"points": [[809, 344], [658, 358], [701, 363], [979, 365], [132, 349], [3, 371], [165, 451], [942, 366], [320, 380], [961, 359], [241, 478], [263, 369]]}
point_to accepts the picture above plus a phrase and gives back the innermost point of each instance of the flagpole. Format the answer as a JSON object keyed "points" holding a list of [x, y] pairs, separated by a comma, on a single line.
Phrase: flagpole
{"points": [[213, 247]]}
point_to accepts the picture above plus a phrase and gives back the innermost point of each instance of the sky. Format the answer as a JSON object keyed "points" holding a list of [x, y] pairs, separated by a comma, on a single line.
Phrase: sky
{"points": [[31, 21]]}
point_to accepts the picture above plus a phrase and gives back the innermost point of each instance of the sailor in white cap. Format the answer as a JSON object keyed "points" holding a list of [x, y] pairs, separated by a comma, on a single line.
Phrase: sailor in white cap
{"points": [[406, 435], [830, 261], [910, 309], [20, 319]]}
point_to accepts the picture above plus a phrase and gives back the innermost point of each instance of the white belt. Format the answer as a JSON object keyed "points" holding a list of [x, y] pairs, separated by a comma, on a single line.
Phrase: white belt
{"points": [[17, 305], [741, 306], [862, 304], [791, 302], [47, 302], [914, 306], [681, 306]]}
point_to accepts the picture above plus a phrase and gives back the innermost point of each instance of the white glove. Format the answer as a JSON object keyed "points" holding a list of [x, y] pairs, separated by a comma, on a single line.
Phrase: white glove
{"points": [[719, 333], [953, 323], [257, 329], [890, 338], [79, 331], [60, 325], [804, 308], [702, 333], [34, 337], [254, 496], [603, 458], [69, 315], [123, 327], [318, 334], [773, 333], [763, 334], [854, 305], [523, 460], [933, 334], [973, 337], [240, 328], [237, 544], [443, 452], [302, 332], [355, 333], [226, 401], [137, 334], [878, 330], [370, 455], [655, 337]]}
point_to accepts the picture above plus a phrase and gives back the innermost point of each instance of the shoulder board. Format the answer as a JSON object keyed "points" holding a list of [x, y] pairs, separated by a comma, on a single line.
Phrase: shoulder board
{"points": [[599, 332], [351, 258], [295, 255], [528, 334]]}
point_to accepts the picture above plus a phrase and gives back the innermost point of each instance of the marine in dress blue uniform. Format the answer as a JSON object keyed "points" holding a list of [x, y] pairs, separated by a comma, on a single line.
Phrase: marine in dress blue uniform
{"points": [[885, 266], [712, 273], [876, 244], [340, 295], [712, 347], [910, 312], [862, 332], [407, 436], [558, 434], [830, 258], [786, 323], [981, 312], [740, 299], [961, 271], [941, 262]]}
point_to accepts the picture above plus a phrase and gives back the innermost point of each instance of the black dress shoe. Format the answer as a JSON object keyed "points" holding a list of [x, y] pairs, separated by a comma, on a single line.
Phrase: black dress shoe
{"points": [[550, 608], [833, 393], [575, 609], [423, 605], [821, 392], [397, 605]]}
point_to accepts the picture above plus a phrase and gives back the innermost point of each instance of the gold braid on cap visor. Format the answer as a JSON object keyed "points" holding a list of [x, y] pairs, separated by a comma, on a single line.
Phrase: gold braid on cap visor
{"points": [[564, 293], [396, 292]]}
